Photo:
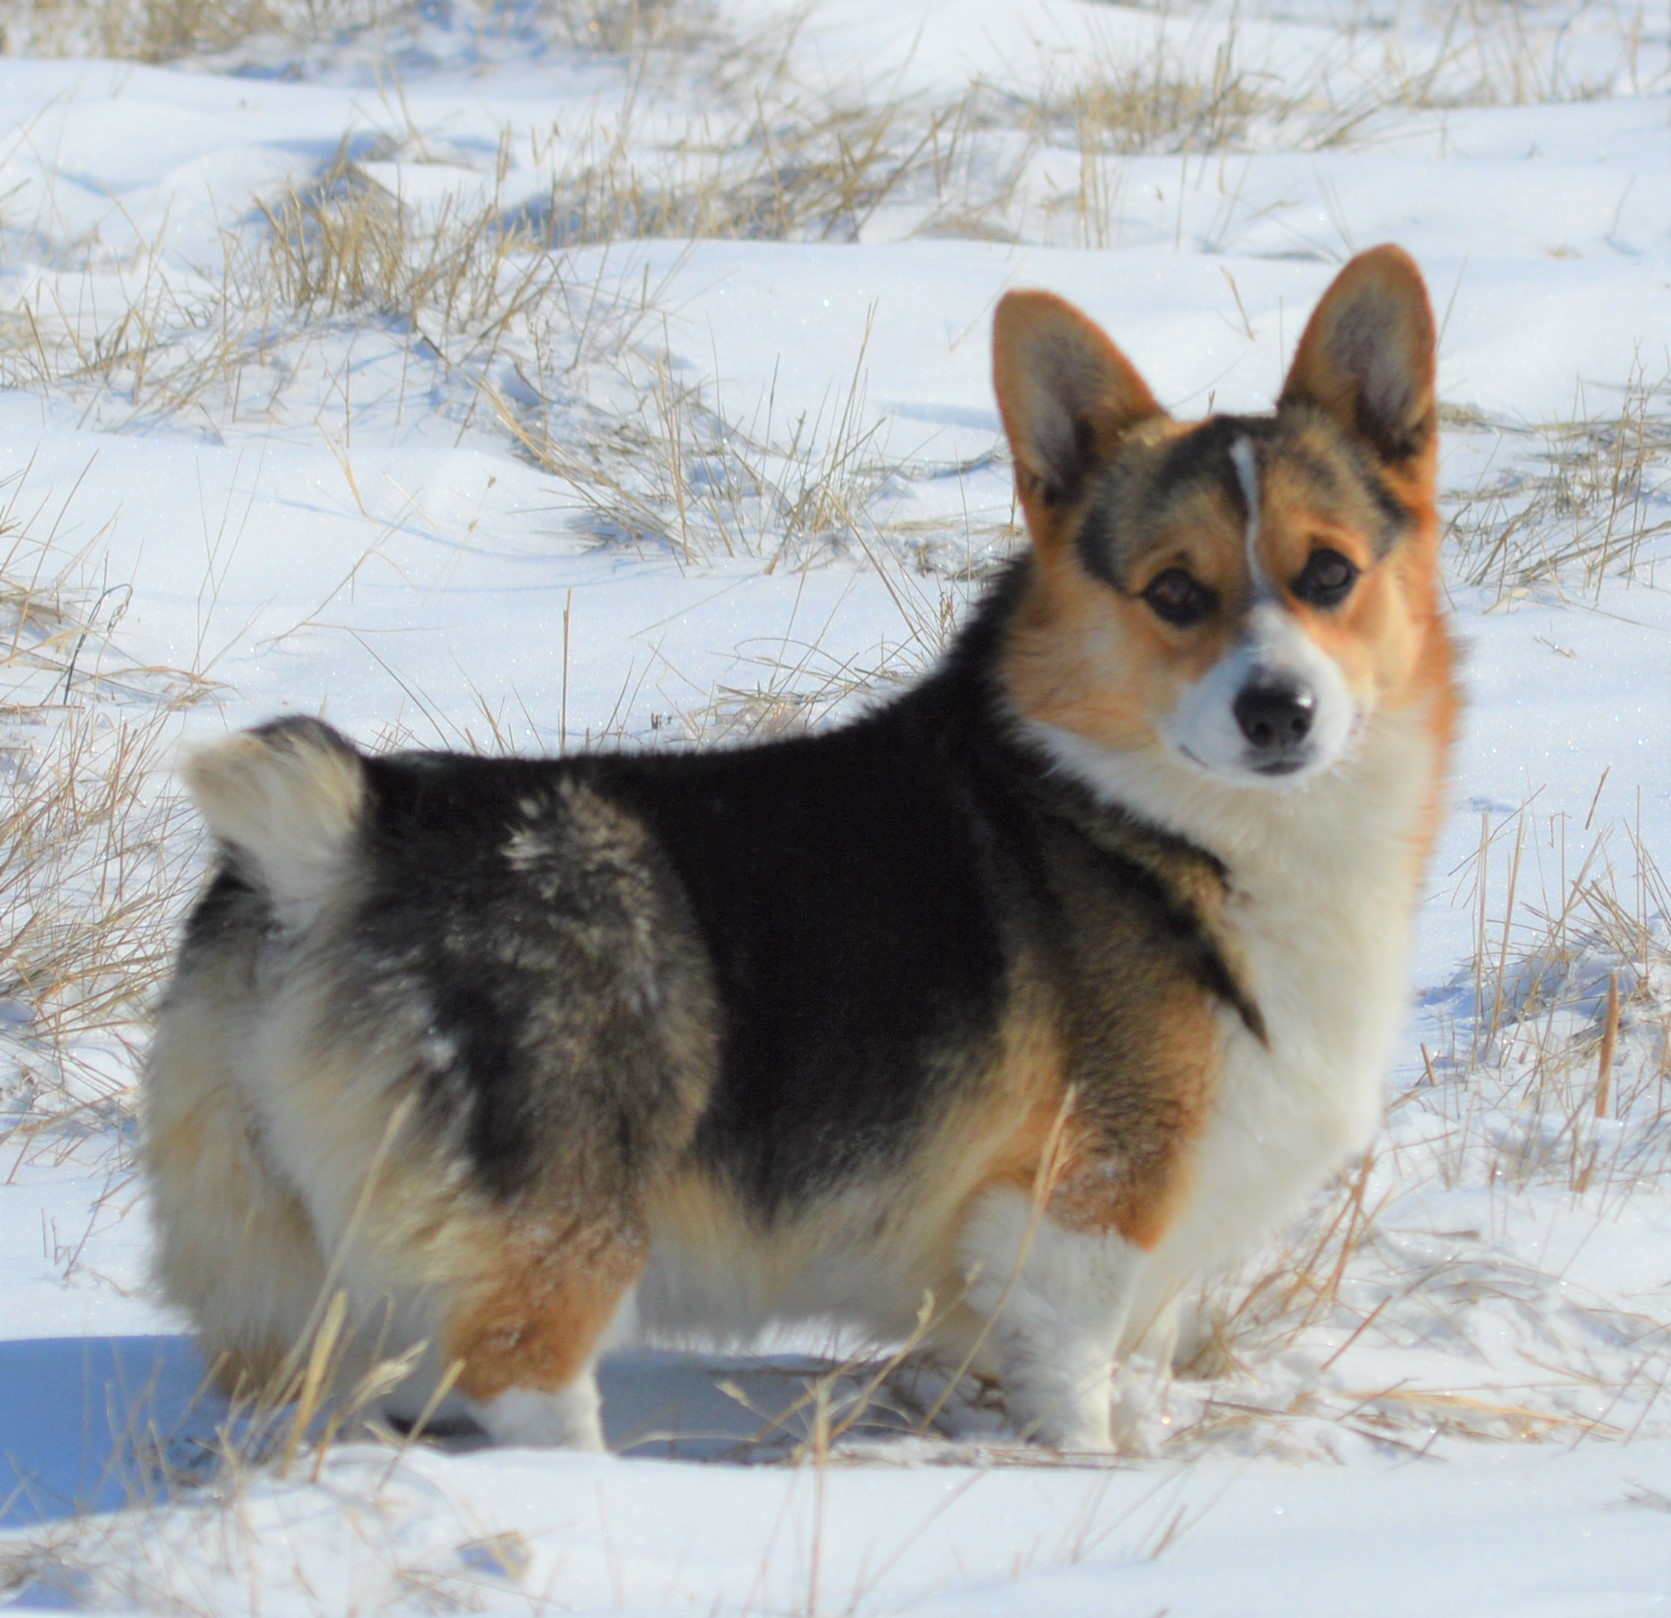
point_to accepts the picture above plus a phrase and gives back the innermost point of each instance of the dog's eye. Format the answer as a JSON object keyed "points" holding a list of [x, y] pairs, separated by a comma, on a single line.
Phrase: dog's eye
{"points": [[1178, 598], [1327, 579]]}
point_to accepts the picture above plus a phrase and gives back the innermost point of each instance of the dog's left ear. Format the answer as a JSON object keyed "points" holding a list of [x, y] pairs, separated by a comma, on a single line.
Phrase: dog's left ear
{"points": [[1067, 395], [1367, 357]]}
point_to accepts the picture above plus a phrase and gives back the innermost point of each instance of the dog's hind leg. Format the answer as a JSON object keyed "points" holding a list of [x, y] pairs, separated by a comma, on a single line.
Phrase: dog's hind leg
{"points": [[527, 1336], [235, 1248]]}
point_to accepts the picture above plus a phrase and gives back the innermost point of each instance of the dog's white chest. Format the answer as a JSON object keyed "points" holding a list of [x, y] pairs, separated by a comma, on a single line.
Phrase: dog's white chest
{"points": [[1323, 937], [1290, 1110]]}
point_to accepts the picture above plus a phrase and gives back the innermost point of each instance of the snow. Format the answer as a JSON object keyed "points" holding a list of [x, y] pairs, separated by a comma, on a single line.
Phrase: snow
{"points": [[669, 476]]}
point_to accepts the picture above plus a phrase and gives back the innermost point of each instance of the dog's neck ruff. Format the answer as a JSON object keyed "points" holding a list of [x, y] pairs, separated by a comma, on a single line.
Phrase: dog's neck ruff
{"points": [[1364, 811]]}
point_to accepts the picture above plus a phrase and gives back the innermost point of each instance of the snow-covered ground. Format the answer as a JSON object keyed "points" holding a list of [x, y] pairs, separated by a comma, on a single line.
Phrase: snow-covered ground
{"points": [[556, 373]]}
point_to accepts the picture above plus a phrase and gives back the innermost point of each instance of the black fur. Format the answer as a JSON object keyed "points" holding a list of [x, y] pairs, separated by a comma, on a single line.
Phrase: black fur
{"points": [[839, 915]]}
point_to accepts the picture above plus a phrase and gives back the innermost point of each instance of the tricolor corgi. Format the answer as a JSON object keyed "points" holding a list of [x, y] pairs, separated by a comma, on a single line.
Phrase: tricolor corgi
{"points": [[1041, 992]]}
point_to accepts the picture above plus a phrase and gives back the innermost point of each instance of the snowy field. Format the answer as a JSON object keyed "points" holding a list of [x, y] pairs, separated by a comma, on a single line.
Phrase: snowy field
{"points": [[560, 372]]}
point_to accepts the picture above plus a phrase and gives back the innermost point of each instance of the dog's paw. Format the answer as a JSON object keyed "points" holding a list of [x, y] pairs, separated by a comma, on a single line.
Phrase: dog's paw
{"points": [[532, 1418]]}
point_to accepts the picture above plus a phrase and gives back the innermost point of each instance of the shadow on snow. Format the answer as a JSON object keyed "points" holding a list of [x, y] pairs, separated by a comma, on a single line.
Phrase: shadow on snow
{"points": [[93, 1424]]}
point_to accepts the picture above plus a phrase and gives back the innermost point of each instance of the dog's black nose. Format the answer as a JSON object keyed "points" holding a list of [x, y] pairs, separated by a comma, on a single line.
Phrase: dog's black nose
{"points": [[1275, 716]]}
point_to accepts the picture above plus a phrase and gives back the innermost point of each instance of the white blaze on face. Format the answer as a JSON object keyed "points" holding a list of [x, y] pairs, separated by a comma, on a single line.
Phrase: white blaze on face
{"points": [[1247, 476], [1272, 649]]}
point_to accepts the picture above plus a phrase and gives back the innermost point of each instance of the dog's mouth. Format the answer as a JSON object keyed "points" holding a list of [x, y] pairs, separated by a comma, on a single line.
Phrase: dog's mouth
{"points": [[1271, 768], [1290, 770]]}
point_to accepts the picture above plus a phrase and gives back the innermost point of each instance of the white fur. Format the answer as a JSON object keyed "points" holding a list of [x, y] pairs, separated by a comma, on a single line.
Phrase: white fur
{"points": [[288, 812], [1247, 476], [1056, 1303], [1202, 729], [830, 1262], [1322, 899], [567, 1419]]}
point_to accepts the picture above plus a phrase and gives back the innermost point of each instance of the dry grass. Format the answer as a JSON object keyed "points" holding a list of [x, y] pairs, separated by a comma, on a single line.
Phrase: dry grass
{"points": [[156, 30], [338, 251], [679, 473], [88, 889], [766, 162], [1492, 55], [488, 303], [90, 874], [1162, 100], [345, 245], [484, 298], [1581, 502], [173, 30], [1566, 1025]]}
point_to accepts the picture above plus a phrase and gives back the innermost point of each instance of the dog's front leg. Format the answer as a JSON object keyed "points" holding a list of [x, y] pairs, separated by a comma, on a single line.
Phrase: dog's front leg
{"points": [[1054, 1303]]}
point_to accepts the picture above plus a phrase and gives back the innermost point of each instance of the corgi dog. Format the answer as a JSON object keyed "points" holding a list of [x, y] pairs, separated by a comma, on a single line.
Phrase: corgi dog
{"points": [[1041, 992]]}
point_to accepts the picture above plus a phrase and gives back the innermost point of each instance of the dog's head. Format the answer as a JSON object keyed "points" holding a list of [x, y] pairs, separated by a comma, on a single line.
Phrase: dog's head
{"points": [[1244, 593]]}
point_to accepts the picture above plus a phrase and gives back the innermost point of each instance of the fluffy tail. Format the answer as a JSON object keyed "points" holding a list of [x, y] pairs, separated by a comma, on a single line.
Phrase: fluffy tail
{"points": [[285, 801]]}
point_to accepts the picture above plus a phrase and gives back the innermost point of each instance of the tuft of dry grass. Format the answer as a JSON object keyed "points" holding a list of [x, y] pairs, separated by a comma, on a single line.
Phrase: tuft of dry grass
{"points": [[1566, 1022], [344, 244], [1151, 103], [768, 162], [174, 30], [1590, 502], [1494, 56], [168, 30], [90, 871], [679, 472]]}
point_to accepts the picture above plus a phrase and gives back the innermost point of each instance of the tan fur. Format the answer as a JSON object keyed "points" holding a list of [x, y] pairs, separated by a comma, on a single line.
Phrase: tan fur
{"points": [[1086, 660], [235, 1247], [1165, 1113], [544, 1296]]}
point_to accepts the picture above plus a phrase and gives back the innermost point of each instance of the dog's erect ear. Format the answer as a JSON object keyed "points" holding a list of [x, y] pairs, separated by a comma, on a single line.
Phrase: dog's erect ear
{"points": [[1367, 357], [1067, 395]]}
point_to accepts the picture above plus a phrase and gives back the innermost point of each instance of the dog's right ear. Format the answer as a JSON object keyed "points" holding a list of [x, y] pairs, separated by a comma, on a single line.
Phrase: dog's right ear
{"points": [[1067, 396]]}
